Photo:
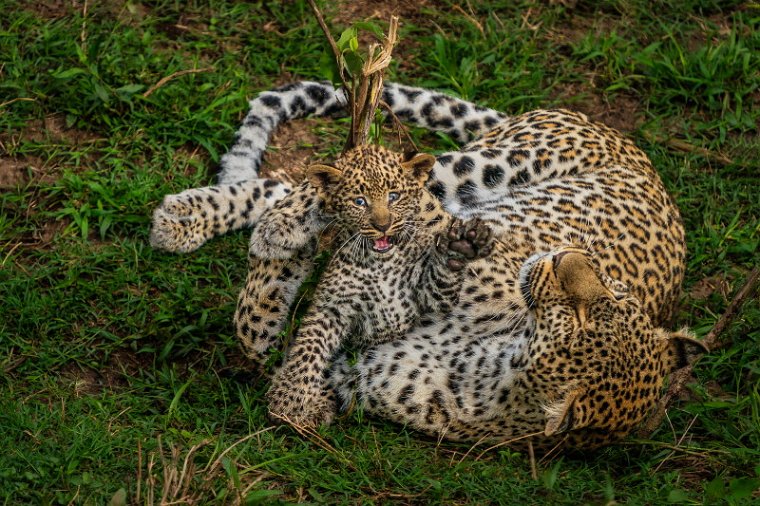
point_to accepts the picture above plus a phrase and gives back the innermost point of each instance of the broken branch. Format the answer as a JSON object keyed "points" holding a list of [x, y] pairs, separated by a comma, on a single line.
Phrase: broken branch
{"points": [[681, 377]]}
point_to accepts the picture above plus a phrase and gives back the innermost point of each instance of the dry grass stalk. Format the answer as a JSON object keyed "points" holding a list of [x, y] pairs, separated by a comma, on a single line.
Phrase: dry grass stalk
{"points": [[371, 87], [168, 78]]}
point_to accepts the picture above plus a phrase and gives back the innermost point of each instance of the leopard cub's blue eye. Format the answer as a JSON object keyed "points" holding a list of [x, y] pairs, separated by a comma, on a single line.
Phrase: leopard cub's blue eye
{"points": [[393, 196], [360, 201]]}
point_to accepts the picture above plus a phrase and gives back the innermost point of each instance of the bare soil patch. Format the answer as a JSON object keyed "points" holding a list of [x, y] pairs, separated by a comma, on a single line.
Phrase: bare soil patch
{"points": [[623, 112], [15, 172], [291, 149], [121, 365], [347, 12], [53, 9], [574, 29], [705, 287], [20, 170], [131, 13], [293, 145], [51, 128]]}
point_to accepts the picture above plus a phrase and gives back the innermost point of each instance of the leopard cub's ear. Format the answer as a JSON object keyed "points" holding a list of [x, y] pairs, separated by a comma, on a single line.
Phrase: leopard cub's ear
{"points": [[322, 177], [419, 166]]}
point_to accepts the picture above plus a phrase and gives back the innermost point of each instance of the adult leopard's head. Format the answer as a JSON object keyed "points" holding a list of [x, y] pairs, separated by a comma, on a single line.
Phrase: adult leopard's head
{"points": [[597, 360], [374, 194]]}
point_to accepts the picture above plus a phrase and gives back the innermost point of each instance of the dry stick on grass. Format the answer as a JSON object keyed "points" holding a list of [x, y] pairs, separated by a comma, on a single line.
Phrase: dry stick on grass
{"points": [[508, 442], [679, 378], [400, 127], [17, 99], [168, 78], [532, 455], [311, 434], [685, 147]]}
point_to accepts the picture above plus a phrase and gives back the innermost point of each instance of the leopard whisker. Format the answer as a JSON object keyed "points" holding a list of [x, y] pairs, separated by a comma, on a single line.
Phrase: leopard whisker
{"points": [[335, 254]]}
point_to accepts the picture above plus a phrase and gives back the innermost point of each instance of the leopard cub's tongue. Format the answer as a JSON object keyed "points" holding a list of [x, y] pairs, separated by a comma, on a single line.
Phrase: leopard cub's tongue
{"points": [[382, 244]]}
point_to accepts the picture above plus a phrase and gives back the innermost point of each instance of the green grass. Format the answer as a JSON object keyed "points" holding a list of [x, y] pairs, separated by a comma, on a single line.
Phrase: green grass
{"points": [[119, 368]]}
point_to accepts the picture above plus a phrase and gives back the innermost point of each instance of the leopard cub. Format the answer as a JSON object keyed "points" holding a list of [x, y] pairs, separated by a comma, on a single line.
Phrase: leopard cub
{"points": [[384, 217]]}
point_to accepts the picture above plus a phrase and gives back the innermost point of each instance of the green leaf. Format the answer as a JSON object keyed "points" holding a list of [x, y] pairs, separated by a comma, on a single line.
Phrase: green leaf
{"points": [[742, 488], [353, 62], [328, 67], [130, 89], [261, 496], [68, 74], [102, 93], [677, 496], [715, 489], [344, 42], [368, 26], [231, 468]]}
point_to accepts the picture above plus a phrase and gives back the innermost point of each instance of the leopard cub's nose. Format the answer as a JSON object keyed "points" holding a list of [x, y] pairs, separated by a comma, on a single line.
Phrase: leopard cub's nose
{"points": [[381, 227]]}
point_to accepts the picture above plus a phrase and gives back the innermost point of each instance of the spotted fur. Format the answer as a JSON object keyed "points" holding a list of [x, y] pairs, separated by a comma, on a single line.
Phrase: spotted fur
{"points": [[540, 181]]}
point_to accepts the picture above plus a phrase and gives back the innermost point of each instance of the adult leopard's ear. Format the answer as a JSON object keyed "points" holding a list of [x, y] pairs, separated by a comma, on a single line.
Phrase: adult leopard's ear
{"points": [[419, 166], [679, 349], [322, 177], [565, 415]]}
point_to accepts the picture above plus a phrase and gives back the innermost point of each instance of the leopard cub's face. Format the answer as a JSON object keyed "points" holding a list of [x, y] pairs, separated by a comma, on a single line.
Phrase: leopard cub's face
{"points": [[374, 195], [597, 359]]}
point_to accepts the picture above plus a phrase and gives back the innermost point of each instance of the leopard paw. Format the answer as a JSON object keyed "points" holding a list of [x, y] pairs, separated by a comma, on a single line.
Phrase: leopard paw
{"points": [[466, 241], [301, 406], [272, 238], [175, 228]]}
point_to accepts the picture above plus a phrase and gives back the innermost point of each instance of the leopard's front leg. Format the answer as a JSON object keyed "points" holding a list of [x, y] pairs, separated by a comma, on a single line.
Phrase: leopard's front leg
{"points": [[462, 242], [185, 221], [290, 225], [299, 394], [262, 309]]}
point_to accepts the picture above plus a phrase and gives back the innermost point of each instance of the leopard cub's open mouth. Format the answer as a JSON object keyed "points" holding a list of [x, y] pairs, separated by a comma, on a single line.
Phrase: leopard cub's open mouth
{"points": [[382, 244]]}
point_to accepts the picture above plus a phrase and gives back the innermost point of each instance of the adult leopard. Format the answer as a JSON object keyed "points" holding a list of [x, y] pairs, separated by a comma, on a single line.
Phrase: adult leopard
{"points": [[542, 180], [583, 370]]}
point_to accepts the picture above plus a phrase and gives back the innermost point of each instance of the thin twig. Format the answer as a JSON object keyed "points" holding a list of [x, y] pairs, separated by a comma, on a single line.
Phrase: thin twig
{"points": [[745, 292], [211, 467], [679, 378], [313, 436], [183, 482], [168, 78], [331, 41], [17, 99], [471, 19], [678, 444], [371, 85], [139, 471], [477, 443], [685, 147], [533, 471], [546, 457], [399, 125], [83, 33], [508, 442]]}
